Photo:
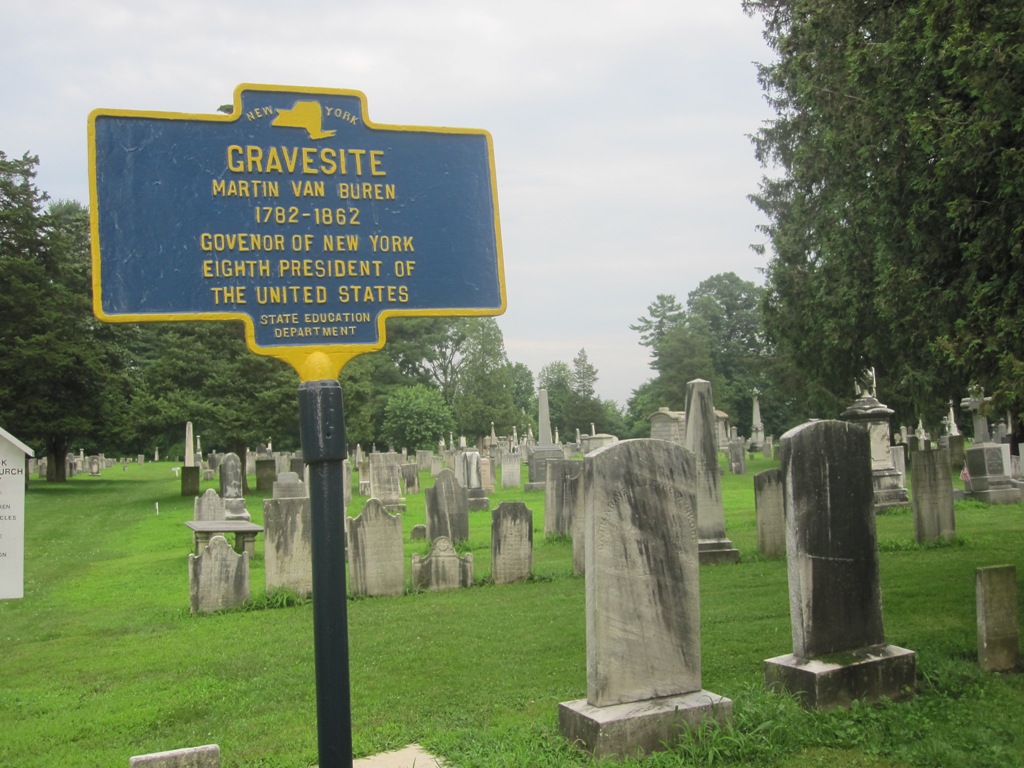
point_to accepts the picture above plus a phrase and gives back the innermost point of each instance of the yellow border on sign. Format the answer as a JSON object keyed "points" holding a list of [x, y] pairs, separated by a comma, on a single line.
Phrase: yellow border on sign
{"points": [[315, 362]]}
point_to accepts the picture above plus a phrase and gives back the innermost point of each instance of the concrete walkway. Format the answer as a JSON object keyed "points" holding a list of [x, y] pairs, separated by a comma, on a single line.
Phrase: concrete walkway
{"points": [[411, 756]]}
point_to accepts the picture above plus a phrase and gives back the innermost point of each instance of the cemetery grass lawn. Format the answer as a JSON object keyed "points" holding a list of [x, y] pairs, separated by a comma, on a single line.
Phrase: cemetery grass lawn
{"points": [[101, 660]]}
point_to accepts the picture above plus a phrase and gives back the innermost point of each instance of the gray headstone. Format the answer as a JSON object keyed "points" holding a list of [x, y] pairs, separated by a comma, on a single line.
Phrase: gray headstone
{"points": [[289, 485], [564, 483], [989, 480], [287, 543], [411, 478], [839, 652], [642, 589], [998, 636], [442, 568], [266, 474], [643, 603], [771, 521], [511, 474], [423, 460], [486, 475], [834, 594], [190, 481], [218, 578], [931, 480], [447, 508], [385, 478], [511, 542], [461, 469], [230, 468], [209, 506], [376, 556], [576, 500], [701, 440], [418, 533], [737, 456]]}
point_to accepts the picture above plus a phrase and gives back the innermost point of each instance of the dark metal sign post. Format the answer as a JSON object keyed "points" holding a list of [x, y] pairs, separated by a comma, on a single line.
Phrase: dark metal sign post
{"points": [[322, 423], [300, 218]]}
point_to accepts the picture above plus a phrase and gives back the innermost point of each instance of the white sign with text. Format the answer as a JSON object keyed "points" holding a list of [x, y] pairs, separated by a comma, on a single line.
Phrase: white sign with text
{"points": [[12, 517]]}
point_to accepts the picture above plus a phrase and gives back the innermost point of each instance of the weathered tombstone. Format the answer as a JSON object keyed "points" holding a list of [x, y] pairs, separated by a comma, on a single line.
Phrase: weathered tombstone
{"points": [[930, 477], [737, 456], [266, 474], [230, 476], [564, 483], [998, 635], [668, 425], [835, 601], [376, 557], [702, 441], [576, 501], [511, 542], [771, 519], [411, 478], [988, 480], [423, 460], [287, 537], [385, 480], [209, 506], [511, 472], [218, 578], [447, 508], [477, 497], [642, 603], [436, 465], [460, 466], [442, 568], [957, 455], [207, 756], [486, 475], [346, 479], [190, 480], [899, 461], [418, 533]]}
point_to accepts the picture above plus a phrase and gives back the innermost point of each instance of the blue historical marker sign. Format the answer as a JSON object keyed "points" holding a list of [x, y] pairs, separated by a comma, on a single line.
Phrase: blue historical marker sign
{"points": [[294, 214]]}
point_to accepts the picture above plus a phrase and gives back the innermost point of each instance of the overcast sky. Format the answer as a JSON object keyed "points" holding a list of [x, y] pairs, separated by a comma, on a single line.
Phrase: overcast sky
{"points": [[620, 128]]}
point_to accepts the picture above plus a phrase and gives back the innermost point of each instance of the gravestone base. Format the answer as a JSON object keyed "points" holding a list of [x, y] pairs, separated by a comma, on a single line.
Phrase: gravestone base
{"points": [[717, 552], [866, 674], [541, 486], [623, 730], [478, 504], [995, 495], [395, 509]]}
